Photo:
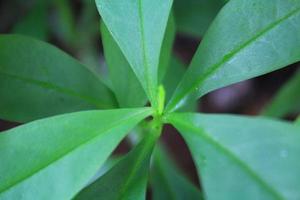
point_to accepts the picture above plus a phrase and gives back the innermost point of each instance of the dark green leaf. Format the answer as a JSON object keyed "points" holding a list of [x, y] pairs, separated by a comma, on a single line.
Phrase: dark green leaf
{"points": [[174, 74], [193, 17], [247, 39], [126, 86], [127, 179], [166, 48], [243, 157], [140, 36], [63, 21], [35, 23], [287, 100], [55, 157], [168, 182], [38, 80]]}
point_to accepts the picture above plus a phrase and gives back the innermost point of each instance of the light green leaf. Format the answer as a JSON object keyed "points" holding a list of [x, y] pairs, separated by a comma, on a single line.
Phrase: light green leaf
{"points": [[247, 39], [193, 17], [38, 80], [140, 36], [286, 100], [128, 178], [168, 182], [126, 86], [243, 157], [35, 23], [55, 157]]}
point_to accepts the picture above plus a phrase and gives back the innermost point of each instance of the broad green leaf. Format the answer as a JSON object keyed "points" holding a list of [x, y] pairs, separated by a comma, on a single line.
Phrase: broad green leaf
{"points": [[247, 39], [286, 100], [128, 178], [173, 76], [193, 17], [140, 36], [38, 80], [55, 157], [126, 86], [35, 23], [243, 157], [168, 182]]}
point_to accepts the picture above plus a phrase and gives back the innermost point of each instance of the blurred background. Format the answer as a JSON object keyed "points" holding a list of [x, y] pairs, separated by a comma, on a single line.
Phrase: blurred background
{"points": [[73, 26]]}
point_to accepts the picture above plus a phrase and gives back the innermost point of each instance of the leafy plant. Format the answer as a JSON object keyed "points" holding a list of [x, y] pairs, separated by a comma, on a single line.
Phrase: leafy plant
{"points": [[287, 100], [237, 157]]}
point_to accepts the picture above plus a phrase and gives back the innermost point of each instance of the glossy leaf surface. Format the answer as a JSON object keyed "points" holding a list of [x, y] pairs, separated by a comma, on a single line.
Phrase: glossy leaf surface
{"points": [[127, 179], [38, 80], [168, 182], [140, 37], [55, 157], [243, 157], [126, 86], [247, 39], [287, 100]]}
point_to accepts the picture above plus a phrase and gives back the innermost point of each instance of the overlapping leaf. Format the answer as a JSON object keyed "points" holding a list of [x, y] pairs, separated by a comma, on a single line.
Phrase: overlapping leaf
{"points": [[38, 80], [287, 100], [126, 86], [243, 157], [247, 39], [35, 22], [193, 17], [168, 182], [141, 37], [128, 178], [55, 157]]}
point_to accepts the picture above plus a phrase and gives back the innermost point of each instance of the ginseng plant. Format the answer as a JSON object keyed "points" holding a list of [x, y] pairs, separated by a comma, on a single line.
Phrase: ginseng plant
{"points": [[73, 120]]}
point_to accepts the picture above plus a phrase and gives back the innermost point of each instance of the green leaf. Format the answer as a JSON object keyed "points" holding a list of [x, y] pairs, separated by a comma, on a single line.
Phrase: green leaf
{"points": [[171, 80], [35, 23], [243, 157], [193, 17], [140, 37], [63, 21], [128, 178], [107, 165], [166, 48], [38, 80], [126, 86], [247, 39], [168, 182], [286, 100], [55, 157], [298, 121]]}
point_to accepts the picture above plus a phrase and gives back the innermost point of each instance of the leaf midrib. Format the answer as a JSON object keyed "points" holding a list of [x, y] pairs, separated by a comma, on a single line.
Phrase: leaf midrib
{"points": [[68, 152], [147, 76], [130, 178], [211, 70], [47, 85], [231, 155]]}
